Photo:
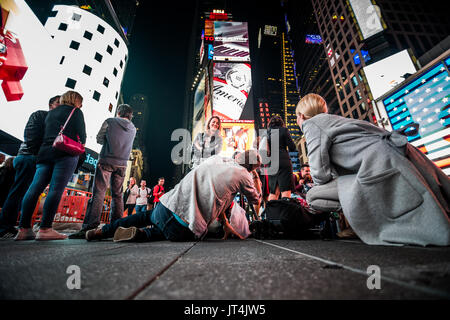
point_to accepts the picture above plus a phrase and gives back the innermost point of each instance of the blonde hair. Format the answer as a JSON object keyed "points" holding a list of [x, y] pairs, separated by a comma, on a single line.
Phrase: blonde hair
{"points": [[311, 105], [71, 98]]}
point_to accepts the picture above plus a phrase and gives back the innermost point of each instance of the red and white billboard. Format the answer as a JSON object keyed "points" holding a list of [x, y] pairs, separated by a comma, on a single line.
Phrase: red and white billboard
{"points": [[232, 84]]}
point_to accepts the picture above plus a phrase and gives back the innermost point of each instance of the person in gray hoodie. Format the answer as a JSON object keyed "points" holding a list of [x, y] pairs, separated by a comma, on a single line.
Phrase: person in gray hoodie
{"points": [[117, 136]]}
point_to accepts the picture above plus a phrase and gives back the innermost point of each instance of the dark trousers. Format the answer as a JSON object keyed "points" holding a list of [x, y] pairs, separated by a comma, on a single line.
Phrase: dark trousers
{"points": [[57, 173], [25, 167], [159, 224], [130, 208], [104, 174]]}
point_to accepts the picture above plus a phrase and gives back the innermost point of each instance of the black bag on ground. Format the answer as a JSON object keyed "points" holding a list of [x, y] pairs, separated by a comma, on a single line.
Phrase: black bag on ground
{"points": [[285, 219]]}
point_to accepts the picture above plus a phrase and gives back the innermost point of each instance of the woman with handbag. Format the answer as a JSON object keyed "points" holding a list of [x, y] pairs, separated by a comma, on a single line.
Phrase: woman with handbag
{"points": [[58, 156]]}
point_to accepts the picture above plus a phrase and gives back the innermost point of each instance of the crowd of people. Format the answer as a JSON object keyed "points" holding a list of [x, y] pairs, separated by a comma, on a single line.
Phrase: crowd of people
{"points": [[386, 191]]}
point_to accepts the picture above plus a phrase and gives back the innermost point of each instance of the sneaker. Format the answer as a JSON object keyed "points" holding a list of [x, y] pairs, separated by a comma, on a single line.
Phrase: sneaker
{"points": [[25, 234], [8, 233], [78, 235], [125, 234], [50, 234], [94, 234]]}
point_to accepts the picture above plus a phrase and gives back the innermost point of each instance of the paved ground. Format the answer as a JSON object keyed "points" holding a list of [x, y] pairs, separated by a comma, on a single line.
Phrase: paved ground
{"points": [[221, 270]]}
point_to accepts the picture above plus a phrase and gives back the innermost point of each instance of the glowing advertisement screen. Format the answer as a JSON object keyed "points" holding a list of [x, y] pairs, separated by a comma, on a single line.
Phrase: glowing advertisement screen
{"points": [[238, 135], [313, 39], [232, 83], [199, 107], [231, 41], [385, 74], [367, 16], [425, 101]]}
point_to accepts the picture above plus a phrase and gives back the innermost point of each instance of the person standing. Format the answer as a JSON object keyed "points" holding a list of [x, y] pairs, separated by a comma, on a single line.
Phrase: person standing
{"points": [[132, 192], [158, 190], [116, 135], [282, 180], [208, 143], [143, 194], [25, 167], [54, 166]]}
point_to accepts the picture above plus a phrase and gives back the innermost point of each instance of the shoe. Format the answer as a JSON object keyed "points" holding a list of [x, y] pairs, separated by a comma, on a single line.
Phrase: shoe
{"points": [[50, 234], [125, 234], [25, 234], [78, 235], [347, 234], [8, 233], [94, 234]]}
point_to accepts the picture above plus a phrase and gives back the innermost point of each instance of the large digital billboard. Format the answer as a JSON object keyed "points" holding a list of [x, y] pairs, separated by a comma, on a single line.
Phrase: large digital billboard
{"points": [[385, 74], [238, 135], [424, 100], [232, 84], [368, 17], [231, 41], [198, 120]]}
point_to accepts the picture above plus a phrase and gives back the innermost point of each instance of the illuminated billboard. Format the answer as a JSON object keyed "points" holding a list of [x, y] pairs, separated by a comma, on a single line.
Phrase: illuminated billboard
{"points": [[198, 120], [231, 41], [237, 135], [368, 17], [313, 39], [232, 83], [385, 74], [75, 50], [424, 100]]}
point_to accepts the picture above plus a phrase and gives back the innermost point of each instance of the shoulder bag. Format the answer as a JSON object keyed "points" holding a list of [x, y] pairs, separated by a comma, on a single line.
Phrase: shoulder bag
{"points": [[66, 144]]}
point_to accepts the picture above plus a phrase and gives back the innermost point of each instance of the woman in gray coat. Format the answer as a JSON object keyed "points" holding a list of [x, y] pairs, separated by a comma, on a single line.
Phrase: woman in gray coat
{"points": [[389, 192]]}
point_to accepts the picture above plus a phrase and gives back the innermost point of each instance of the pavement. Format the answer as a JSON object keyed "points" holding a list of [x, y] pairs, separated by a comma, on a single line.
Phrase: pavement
{"points": [[221, 270]]}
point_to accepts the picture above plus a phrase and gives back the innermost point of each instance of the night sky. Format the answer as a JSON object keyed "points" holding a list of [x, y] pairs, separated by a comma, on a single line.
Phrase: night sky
{"points": [[157, 65]]}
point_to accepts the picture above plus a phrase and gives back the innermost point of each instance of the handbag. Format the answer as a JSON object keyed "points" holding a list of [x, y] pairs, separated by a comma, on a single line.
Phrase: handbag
{"points": [[66, 144]]}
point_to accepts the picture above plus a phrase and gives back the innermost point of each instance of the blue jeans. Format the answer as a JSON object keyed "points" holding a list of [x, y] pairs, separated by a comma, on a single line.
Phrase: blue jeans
{"points": [[57, 173], [25, 167], [141, 208], [105, 174], [162, 221]]}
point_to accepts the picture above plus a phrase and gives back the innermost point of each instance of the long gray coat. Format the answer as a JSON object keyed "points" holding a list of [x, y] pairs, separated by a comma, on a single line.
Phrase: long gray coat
{"points": [[384, 196]]}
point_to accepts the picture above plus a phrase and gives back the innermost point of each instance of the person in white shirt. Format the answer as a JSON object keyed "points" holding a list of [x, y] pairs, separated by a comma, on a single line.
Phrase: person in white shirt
{"points": [[142, 197], [132, 192], [202, 196]]}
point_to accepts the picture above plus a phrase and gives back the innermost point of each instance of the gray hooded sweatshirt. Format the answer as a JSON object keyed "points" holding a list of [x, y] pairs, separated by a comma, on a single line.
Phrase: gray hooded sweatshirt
{"points": [[116, 135]]}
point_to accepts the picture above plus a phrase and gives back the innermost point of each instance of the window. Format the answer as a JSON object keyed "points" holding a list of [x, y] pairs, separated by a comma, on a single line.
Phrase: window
{"points": [[96, 95], [110, 107], [88, 35], [351, 101], [117, 94], [355, 114], [116, 43], [62, 60], [115, 72], [74, 45], [76, 16], [62, 26], [53, 14], [70, 83], [87, 70], [98, 57], [109, 50], [101, 29], [106, 82], [121, 64]]}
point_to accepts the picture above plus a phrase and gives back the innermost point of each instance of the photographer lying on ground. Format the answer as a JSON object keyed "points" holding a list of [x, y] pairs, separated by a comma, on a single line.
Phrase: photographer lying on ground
{"points": [[185, 212]]}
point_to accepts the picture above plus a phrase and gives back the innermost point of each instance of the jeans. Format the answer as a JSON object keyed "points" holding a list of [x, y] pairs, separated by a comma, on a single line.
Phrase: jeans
{"points": [[162, 221], [141, 208], [57, 173], [25, 167], [104, 174]]}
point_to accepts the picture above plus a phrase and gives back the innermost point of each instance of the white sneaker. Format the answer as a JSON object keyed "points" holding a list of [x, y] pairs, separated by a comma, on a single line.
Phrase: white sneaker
{"points": [[50, 234], [25, 234]]}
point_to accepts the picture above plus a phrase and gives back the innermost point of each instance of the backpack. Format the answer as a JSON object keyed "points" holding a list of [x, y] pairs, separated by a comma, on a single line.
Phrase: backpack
{"points": [[286, 219]]}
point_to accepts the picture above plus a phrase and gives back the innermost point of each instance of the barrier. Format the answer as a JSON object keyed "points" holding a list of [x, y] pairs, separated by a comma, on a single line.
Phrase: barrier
{"points": [[72, 207]]}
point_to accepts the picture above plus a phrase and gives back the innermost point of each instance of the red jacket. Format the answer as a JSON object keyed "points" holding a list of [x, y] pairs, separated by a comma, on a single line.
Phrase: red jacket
{"points": [[156, 190]]}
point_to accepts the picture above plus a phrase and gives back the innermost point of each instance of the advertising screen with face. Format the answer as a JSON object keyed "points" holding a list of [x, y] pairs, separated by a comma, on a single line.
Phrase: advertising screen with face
{"points": [[424, 100], [232, 83], [231, 41], [237, 135]]}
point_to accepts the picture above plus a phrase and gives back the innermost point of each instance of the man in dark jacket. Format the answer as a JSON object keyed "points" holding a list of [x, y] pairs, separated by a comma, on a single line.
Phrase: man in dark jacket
{"points": [[116, 135], [25, 167]]}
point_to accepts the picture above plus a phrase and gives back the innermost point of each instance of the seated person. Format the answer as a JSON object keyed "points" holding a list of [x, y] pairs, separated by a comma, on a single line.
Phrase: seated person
{"points": [[389, 191], [305, 182], [185, 212]]}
